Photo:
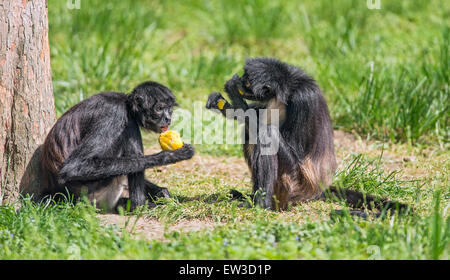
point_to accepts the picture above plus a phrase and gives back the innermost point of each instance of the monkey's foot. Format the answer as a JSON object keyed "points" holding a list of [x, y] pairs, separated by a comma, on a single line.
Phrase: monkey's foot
{"points": [[159, 192]]}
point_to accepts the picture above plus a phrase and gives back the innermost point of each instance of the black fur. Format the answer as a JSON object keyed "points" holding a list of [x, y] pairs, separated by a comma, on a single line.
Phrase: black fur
{"points": [[303, 166], [99, 139]]}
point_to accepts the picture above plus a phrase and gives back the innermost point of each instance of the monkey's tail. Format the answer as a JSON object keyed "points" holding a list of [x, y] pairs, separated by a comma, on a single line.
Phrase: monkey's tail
{"points": [[360, 200]]}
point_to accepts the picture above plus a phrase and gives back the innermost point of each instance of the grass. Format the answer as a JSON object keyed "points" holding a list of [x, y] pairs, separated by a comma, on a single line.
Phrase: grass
{"points": [[384, 74], [66, 231], [398, 105], [389, 83]]}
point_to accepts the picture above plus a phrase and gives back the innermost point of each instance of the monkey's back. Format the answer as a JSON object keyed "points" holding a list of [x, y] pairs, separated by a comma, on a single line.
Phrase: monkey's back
{"points": [[69, 131]]}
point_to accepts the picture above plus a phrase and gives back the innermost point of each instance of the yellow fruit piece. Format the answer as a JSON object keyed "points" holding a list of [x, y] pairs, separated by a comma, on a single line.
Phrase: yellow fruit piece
{"points": [[240, 91], [220, 104], [170, 140]]}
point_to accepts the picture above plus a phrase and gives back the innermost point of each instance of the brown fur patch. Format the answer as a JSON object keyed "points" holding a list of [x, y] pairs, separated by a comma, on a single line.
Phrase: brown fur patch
{"points": [[285, 185], [276, 106], [297, 187], [309, 174]]}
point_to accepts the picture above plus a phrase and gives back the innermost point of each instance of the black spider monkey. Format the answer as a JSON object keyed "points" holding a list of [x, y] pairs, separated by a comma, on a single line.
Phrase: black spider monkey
{"points": [[95, 148], [303, 164]]}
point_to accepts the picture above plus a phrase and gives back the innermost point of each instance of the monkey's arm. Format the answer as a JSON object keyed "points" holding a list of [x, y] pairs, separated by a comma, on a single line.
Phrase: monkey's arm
{"points": [[92, 159], [142, 190], [97, 167], [234, 89], [270, 155], [217, 102], [264, 176]]}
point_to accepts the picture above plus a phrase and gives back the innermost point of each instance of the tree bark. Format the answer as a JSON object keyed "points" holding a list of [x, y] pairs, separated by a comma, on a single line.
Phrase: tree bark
{"points": [[27, 109]]}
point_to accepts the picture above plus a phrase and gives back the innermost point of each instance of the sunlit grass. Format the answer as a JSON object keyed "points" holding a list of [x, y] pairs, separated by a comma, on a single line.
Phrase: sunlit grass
{"points": [[363, 64], [65, 231]]}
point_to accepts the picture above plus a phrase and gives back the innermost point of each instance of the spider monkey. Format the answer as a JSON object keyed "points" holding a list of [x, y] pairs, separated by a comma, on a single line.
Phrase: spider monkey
{"points": [[96, 149], [302, 165]]}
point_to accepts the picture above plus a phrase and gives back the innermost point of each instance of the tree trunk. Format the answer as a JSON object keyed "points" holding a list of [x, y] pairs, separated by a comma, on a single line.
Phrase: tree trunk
{"points": [[27, 109]]}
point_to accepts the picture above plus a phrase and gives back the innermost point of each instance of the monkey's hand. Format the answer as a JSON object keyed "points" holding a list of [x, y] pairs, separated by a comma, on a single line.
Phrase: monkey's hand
{"points": [[234, 86], [167, 157], [185, 152], [216, 101], [235, 91]]}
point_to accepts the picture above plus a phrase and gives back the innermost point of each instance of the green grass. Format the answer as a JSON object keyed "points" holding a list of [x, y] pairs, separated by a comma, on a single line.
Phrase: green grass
{"points": [[66, 231], [382, 81], [54, 231], [402, 105], [408, 239], [384, 74]]}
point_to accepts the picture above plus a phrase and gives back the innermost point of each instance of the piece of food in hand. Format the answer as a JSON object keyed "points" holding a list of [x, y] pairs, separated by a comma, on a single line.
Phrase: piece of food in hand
{"points": [[220, 104], [170, 140]]}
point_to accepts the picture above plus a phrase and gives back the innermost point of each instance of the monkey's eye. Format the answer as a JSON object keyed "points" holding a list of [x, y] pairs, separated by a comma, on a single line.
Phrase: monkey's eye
{"points": [[158, 107]]}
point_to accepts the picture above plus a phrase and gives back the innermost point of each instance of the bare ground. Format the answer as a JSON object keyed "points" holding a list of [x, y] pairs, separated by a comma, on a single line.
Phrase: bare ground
{"points": [[152, 229]]}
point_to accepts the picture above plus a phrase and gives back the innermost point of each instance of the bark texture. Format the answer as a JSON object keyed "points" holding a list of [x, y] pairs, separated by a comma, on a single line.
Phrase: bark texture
{"points": [[27, 107]]}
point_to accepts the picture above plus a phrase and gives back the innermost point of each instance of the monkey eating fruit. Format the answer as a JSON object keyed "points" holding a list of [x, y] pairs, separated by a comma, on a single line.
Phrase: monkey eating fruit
{"points": [[98, 153]]}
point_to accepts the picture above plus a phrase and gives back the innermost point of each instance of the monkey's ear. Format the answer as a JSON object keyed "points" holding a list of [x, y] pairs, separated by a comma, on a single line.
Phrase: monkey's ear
{"points": [[133, 101], [267, 88]]}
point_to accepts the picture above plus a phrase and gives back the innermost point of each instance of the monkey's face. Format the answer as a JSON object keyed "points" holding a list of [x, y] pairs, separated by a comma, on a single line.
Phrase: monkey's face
{"points": [[152, 106], [158, 117], [246, 89], [255, 89]]}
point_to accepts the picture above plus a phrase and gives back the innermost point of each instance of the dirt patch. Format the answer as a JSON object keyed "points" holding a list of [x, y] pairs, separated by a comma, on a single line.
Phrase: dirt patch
{"points": [[206, 165], [152, 229]]}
